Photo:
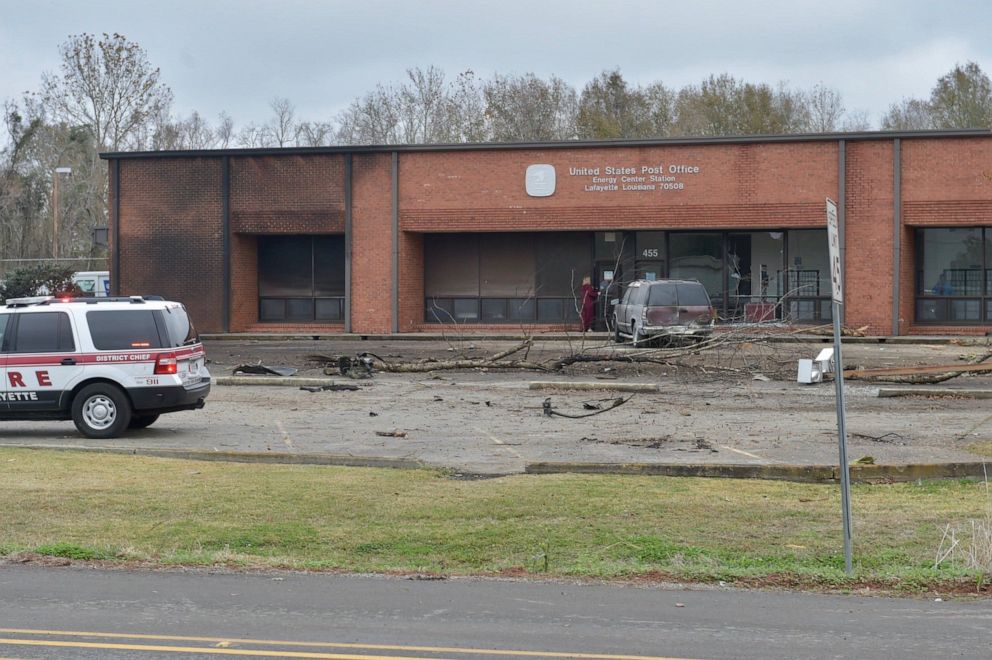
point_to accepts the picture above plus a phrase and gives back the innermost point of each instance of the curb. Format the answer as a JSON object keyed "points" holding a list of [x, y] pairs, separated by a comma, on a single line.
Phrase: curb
{"points": [[778, 472], [798, 473], [595, 385], [284, 381], [933, 391], [271, 458]]}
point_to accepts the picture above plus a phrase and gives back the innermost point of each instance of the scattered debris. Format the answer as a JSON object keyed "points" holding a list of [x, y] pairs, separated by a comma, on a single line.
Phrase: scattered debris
{"points": [[864, 460], [373, 414], [549, 411], [391, 434], [260, 369], [762, 377], [333, 387], [437, 398], [887, 437], [358, 368]]}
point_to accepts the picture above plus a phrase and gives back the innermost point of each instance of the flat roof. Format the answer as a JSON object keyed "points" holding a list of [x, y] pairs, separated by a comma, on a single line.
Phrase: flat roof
{"points": [[564, 144]]}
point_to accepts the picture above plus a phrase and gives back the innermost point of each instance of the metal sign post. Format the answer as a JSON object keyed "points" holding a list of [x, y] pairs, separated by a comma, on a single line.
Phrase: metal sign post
{"points": [[833, 235]]}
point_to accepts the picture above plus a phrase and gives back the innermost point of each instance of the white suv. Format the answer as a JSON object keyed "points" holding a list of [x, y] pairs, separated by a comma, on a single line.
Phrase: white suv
{"points": [[108, 364]]}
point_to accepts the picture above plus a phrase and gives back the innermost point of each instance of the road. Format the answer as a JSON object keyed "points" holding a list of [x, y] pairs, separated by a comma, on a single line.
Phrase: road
{"points": [[44, 612]]}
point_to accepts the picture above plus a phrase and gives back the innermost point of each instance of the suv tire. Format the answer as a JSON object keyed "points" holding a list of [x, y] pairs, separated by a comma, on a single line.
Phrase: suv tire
{"points": [[101, 411], [142, 421], [617, 339]]}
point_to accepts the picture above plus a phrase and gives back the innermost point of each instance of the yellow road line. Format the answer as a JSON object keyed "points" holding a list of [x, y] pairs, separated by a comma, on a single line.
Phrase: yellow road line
{"points": [[203, 650], [336, 645]]}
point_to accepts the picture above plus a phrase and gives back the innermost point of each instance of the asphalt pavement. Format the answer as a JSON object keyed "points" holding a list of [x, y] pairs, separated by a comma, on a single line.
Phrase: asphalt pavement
{"points": [[73, 612]]}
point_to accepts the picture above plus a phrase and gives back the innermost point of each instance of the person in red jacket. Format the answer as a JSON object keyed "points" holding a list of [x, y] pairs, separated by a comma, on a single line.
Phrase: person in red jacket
{"points": [[589, 296]]}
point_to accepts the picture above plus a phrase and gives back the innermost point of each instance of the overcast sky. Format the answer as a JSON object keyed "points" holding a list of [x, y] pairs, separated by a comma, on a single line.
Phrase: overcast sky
{"points": [[237, 55]]}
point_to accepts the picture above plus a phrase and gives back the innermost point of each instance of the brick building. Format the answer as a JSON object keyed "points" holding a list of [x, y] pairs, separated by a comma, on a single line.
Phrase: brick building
{"points": [[402, 239]]}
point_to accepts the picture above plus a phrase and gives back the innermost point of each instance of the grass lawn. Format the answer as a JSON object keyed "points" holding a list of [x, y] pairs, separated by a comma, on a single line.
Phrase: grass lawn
{"points": [[173, 512]]}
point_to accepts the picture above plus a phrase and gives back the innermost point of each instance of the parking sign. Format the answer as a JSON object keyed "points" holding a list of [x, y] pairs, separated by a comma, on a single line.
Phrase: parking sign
{"points": [[833, 238]]}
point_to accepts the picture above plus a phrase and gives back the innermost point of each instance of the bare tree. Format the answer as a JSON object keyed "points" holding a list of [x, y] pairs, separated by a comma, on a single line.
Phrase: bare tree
{"points": [[527, 108], [282, 130], [224, 133], [315, 134], [106, 86], [825, 109], [908, 115]]}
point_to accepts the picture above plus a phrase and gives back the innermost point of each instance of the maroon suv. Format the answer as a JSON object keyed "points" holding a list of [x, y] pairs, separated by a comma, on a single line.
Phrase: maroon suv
{"points": [[663, 308]]}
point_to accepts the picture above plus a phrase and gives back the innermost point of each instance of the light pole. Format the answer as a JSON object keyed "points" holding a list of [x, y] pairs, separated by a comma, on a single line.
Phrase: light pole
{"points": [[55, 209]]}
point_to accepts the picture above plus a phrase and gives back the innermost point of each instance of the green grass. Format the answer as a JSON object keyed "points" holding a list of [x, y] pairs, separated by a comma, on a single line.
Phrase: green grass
{"points": [[170, 512]]}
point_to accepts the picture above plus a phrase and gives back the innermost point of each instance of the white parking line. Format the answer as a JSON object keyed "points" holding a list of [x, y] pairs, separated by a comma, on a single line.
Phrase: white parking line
{"points": [[499, 442]]}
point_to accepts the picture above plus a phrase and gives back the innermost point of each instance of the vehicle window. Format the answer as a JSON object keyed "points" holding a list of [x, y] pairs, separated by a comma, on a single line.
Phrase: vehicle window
{"points": [[640, 295], [43, 332], [86, 286], [119, 330], [662, 294], [180, 329], [628, 295], [4, 318], [692, 294]]}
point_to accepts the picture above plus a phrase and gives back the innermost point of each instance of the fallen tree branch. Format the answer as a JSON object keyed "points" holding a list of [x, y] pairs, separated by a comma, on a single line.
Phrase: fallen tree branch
{"points": [[924, 375]]}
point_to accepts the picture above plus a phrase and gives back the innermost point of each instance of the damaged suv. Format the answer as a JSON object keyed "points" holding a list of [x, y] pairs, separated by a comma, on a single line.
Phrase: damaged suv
{"points": [[652, 309]]}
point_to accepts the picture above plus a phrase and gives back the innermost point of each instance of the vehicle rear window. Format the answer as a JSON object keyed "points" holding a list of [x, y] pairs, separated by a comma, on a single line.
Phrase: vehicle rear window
{"points": [[692, 295], [122, 330], [44, 332], [662, 295], [180, 328]]}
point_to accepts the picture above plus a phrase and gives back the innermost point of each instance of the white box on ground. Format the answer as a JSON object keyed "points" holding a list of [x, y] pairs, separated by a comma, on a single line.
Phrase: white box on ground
{"points": [[809, 373]]}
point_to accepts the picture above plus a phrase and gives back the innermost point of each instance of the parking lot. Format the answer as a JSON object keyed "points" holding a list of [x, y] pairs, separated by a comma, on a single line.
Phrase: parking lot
{"points": [[738, 404]]}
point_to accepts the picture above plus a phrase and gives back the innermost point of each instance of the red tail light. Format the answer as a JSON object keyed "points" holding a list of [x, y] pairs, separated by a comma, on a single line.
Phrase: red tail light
{"points": [[166, 364]]}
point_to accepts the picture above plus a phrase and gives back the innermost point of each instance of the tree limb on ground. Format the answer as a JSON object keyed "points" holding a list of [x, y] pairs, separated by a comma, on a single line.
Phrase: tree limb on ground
{"points": [[923, 375]]}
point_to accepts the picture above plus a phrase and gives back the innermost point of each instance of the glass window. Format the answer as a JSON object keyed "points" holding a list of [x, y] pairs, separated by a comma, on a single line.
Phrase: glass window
{"points": [[440, 310], [285, 266], [273, 309], [44, 332], [951, 263], [522, 309], [466, 309], [662, 294], [180, 329], [4, 318], [563, 259], [124, 330], [329, 309], [550, 310], [692, 295], [328, 266], [698, 257], [299, 309], [451, 265], [808, 271], [507, 265], [295, 272], [494, 309], [651, 245]]}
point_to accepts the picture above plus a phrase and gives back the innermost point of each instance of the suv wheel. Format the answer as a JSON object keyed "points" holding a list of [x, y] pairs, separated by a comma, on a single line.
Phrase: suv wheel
{"points": [[617, 339], [101, 411], [635, 335], [142, 421]]}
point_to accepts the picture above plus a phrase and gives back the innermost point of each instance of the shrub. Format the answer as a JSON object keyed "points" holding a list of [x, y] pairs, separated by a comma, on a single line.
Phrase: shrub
{"points": [[54, 279]]}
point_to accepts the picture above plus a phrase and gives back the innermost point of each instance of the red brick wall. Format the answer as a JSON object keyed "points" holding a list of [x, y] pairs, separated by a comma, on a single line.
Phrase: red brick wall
{"points": [[760, 186], [287, 194], [372, 260], [244, 282], [868, 236], [171, 218], [411, 281]]}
